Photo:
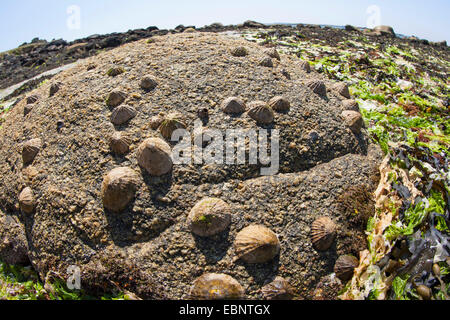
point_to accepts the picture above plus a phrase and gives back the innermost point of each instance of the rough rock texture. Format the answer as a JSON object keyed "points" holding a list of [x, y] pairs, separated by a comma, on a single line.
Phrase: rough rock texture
{"points": [[148, 248]]}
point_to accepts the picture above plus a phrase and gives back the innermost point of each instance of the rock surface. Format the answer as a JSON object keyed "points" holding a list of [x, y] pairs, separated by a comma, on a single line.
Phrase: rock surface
{"points": [[148, 247]]}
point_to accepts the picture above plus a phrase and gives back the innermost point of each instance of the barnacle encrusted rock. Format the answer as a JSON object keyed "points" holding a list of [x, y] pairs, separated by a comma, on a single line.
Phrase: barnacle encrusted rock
{"points": [[353, 120], [154, 155], [122, 114], [256, 244], [323, 233], [120, 143], [233, 105], [213, 286], [119, 188], [279, 104], [115, 98], [30, 149], [318, 87], [209, 217], [260, 112], [26, 200], [13, 241], [149, 242]]}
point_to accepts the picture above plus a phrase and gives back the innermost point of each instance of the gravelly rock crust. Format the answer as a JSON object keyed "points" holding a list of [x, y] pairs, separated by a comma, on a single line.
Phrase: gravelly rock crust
{"points": [[148, 247]]}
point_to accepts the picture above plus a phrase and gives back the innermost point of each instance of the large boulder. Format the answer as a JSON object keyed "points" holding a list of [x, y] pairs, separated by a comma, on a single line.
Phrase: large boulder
{"points": [[384, 30], [147, 246]]}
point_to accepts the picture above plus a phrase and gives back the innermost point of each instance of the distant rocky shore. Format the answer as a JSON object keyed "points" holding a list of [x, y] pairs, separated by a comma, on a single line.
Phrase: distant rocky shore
{"points": [[39, 56]]}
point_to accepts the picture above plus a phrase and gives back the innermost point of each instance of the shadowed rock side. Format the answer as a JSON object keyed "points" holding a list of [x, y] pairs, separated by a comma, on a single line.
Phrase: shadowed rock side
{"points": [[69, 224]]}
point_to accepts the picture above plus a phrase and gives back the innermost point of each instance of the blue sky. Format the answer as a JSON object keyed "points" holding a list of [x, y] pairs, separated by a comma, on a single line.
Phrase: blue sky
{"points": [[21, 21]]}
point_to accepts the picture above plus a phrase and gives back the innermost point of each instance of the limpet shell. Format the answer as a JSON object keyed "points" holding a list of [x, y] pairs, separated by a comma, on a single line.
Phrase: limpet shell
{"points": [[33, 99], [171, 123], [155, 122], [27, 109], [273, 53], [318, 87], [342, 89], [350, 104], [260, 112], [278, 289], [213, 286], [119, 143], [148, 83], [323, 233], [256, 244], [209, 216], [119, 188], [30, 150], [115, 98], [122, 114], [266, 62], [233, 105], [353, 120], [154, 155], [239, 52], [305, 66], [54, 88], [344, 267], [26, 200], [279, 104]]}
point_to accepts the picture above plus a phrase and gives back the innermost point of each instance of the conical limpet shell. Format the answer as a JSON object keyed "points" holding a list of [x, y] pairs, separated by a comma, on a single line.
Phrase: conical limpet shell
{"points": [[342, 89], [26, 200], [260, 112], [119, 143], [239, 52], [323, 233], [233, 105], [213, 286], [266, 62], [344, 267], [209, 217], [155, 122], [318, 87], [54, 88], [119, 188], [115, 98], [148, 83], [278, 289], [30, 150], [353, 120], [27, 109], [171, 123], [350, 104], [279, 104], [154, 155], [305, 66], [256, 244], [122, 114], [115, 71], [273, 53], [33, 99]]}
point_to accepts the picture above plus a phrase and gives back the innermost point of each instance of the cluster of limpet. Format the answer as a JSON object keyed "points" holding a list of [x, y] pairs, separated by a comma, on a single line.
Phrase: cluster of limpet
{"points": [[213, 286], [171, 123], [119, 188], [278, 289], [209, 216], [256, 244], [323, 233], [154, 155]]}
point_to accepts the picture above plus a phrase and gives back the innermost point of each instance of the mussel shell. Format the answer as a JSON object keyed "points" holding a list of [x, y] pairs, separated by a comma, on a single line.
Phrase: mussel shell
{"points": [[323, 233], [213, 286], [30, 150], [260, 112], [279, 289], [344, 267], [119, 188], [26, 200], [119, 143], [209, 216], [318, 87], [122, 114], [154, 155], [256, 244]]}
